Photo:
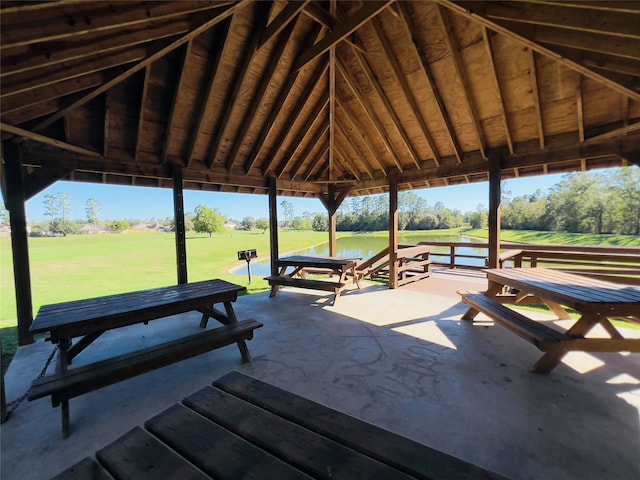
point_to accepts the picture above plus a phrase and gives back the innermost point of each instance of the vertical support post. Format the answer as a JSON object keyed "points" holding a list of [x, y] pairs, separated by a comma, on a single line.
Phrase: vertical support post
{"points": [[393, 232], [15, 199], [273, 225], [333, 224], [178, 213], [494, 211]]}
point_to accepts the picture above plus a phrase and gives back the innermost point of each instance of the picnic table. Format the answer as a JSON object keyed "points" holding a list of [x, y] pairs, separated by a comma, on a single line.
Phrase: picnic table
{"points": [[88, 319], [596, 301], [243, 428], [343, 268]]}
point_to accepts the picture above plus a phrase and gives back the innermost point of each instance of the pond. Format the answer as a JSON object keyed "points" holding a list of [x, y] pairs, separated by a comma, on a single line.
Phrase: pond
{"points": [[365, 247]]}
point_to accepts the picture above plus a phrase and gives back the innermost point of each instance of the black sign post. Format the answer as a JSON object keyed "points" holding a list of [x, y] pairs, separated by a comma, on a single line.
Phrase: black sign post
{"points": [[247, 255]]}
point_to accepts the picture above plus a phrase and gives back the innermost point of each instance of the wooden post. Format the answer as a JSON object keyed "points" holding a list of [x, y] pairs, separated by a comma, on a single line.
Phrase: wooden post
{"points": [[494, 211], [178, 213], [332, 201], [15, 198], [393, 232], [273, 225]]}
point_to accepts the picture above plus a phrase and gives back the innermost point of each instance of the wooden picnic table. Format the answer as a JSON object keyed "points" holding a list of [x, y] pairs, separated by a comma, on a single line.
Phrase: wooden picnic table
{"points": [[343, 268], [88, 319], [243, 428], [596, 301]]}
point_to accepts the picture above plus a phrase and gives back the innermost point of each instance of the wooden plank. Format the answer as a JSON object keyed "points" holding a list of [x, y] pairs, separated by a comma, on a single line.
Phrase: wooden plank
{"points": [[214, 449], [309, 451], [87, 469], [327, 285], [139, 455], [87, 378], [535, 332], [402, 453]]}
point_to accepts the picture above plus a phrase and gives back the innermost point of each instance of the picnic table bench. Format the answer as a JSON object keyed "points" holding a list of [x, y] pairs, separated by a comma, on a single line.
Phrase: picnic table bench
{"points": [[343, 268], [596, 301], [90, 318], [243, 428]]}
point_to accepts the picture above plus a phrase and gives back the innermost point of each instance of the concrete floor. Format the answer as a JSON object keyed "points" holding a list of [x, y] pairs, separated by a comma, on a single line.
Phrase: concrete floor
{"points": [[400, 359]]}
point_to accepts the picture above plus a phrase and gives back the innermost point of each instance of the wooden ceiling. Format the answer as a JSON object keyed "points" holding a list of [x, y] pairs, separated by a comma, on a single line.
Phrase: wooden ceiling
{"points": [[317, 94]]}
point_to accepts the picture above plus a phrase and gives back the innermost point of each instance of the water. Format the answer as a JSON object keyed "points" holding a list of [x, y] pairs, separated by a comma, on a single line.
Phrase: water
{"points": [[365, 247]]}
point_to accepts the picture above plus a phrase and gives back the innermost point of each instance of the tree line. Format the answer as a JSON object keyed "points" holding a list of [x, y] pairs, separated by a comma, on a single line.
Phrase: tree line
{"points": [[585, 202]]}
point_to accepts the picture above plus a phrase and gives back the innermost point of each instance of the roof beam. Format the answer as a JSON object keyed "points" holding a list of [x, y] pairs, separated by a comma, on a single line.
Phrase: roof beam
{"points": [[261, 16], [316, 161], [295, 113], [361, 157], [496, 81], [371, 115], [208, 23], [343, 29], [36, 137], [533, 75], [186, 51], [258, 99], [566, 17], [474, 11], [402, 81], [311, 145], [91, 17], [275, 110], [433, 85], [286, 16], [466, 88]]}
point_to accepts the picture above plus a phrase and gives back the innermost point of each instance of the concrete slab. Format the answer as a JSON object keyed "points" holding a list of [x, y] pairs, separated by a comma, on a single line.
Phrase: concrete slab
{"points": [[400, 359]]}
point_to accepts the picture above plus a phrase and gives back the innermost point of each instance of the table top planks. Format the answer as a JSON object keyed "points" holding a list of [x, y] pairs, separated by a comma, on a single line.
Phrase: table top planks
{"points": [[570, 289], [84, 316], [315, 262]]}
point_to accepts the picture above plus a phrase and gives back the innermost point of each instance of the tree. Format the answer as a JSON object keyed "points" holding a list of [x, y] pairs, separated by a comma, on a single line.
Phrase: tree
{"points": [[58, 207], [4, 215], [92, 208], [248, 223], [320, 222], [120, 226], [262, 224], [289, 213], [207, 220]]}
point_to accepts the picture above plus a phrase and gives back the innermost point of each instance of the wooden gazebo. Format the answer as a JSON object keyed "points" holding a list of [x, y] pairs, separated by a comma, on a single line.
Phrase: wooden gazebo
{"points": [[316, 99]]}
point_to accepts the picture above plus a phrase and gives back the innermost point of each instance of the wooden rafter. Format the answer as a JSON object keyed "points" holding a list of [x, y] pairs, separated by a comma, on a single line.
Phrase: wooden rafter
{"points": [[371, 115], [431, 82], [347, 138], [579, 110], [267, 78], [346, 161], [460, 74], [86, 48], [368, 11], [474, 10], [350, 125], [496, 81], [179, 86], [277, 107], [21, 132], [208, 23], [221, 42], [402, 82], [286, 16], [94, 17], [316, 161], [295, 113], [312, 144], [261, 16], [107, 123], [141, 111], [306, 127], [533, 75]]}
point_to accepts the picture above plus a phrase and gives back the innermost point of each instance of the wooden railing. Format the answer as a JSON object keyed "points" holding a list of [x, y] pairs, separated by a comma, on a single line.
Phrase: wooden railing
{"points": [[618, 264]]}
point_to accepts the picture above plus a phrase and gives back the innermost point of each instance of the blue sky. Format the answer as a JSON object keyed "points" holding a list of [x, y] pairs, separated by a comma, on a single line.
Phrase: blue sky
{"points": [[126, 202]]}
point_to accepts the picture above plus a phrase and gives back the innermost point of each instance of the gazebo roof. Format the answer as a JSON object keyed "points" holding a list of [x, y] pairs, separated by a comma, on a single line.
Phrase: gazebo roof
{"points": [[339, 93]]}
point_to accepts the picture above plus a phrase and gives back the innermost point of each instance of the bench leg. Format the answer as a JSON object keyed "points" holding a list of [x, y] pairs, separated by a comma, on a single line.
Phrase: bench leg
{"points": [[242, 346], [61, 367]]}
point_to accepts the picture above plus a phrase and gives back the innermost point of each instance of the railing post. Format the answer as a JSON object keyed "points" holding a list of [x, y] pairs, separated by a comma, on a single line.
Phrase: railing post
{"points": [[452, 257]]}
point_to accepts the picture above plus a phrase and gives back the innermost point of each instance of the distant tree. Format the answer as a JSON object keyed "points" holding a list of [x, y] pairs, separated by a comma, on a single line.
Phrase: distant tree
{"points": [[4, 214], [188, 222], [320, 222], [120, 226], [92, 208], [58, 207], [289, 213], [248, 223], [262, 224], [300, 223], [207, 220]]}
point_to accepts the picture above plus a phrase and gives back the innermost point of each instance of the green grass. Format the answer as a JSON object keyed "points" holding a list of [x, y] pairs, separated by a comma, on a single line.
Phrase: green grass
{"points": [[555, 238]]}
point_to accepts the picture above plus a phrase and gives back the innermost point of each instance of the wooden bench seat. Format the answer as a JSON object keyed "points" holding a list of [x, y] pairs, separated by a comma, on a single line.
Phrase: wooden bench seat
{"points": [[543, 337], [87, 378], [328, 286]]}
